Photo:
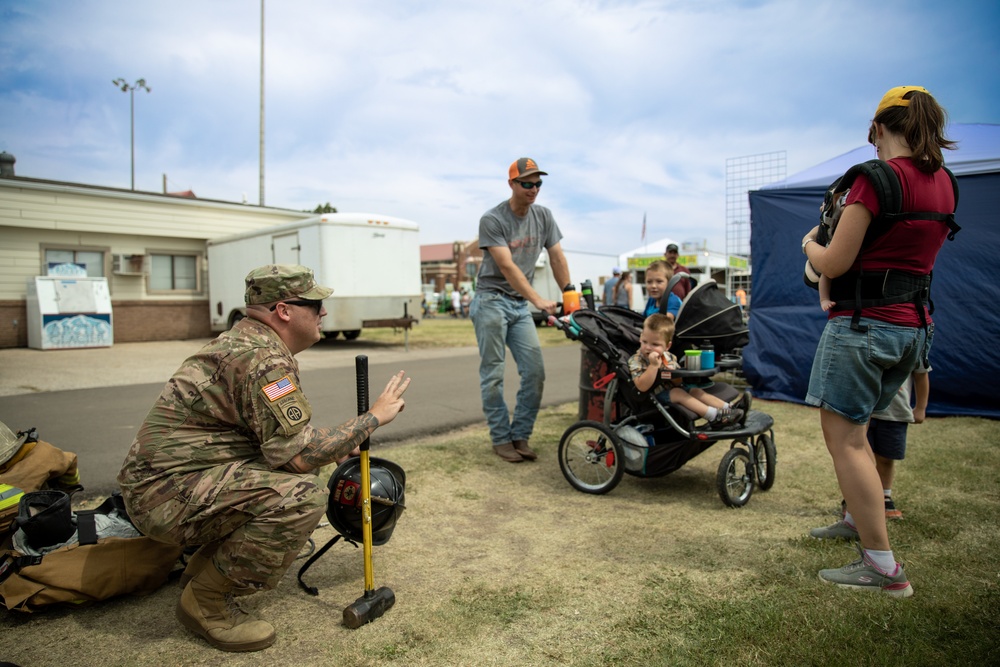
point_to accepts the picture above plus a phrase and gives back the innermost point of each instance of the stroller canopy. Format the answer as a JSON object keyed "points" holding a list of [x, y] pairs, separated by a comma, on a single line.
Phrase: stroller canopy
{"points": [[707, 315]]}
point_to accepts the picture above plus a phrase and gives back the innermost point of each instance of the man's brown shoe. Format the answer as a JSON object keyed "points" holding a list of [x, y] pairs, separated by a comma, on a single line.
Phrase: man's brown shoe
{"points": [[527, 453], [507, 452]]}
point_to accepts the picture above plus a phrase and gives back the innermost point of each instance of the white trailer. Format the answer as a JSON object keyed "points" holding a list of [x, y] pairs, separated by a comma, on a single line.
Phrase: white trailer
{"points": [[371, 261]]}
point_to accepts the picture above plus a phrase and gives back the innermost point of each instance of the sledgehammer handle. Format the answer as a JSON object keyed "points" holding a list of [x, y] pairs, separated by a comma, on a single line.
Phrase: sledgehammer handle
{"points": [[361, 376], [373, 603], [361, 373]]}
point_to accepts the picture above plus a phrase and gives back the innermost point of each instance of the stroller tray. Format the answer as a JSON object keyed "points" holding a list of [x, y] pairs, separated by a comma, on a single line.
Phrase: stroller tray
{"points": [[756, 422]]}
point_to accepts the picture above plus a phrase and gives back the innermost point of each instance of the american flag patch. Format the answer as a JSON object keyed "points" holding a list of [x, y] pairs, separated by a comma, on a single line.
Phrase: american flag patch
{"points": [[276, 390]]}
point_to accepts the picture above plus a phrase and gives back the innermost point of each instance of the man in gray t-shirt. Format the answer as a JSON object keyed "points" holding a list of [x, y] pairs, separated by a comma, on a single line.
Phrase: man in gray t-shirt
{"points": [[512, 234]]}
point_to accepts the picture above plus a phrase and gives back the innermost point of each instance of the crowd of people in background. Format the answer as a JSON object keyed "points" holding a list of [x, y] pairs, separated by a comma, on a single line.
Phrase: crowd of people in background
{"points": [[456, 304]]}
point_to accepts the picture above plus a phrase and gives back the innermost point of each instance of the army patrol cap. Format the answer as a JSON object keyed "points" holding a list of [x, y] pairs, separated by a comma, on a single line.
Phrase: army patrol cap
{"points": [[280, 282], [9, 443]]}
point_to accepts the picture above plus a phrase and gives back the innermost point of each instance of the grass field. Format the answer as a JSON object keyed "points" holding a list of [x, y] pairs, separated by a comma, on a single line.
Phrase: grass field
{"points": [[447, 331], [499, 564]]}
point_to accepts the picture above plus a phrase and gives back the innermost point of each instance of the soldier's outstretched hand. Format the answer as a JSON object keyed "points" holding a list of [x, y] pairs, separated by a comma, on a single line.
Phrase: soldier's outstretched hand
{"points": [[390, 402]]}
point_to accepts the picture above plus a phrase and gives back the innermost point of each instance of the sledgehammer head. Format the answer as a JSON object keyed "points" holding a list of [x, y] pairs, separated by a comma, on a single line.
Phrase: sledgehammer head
{"points": [[368, 607]]}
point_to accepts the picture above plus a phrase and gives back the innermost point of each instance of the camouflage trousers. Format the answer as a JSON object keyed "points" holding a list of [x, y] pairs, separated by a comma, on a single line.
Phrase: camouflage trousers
{"points": [[257, 519]]}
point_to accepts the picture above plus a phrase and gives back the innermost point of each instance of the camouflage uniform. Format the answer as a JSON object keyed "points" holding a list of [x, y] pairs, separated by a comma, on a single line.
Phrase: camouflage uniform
{"points": [[205, 465]]}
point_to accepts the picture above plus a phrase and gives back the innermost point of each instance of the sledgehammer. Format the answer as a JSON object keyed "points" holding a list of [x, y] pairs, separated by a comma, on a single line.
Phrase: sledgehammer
{"points": [[373, 603]]}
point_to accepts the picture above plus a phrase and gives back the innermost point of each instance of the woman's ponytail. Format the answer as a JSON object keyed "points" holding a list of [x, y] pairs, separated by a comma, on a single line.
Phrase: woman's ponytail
{"points": [[922, 125], [924, 132]]}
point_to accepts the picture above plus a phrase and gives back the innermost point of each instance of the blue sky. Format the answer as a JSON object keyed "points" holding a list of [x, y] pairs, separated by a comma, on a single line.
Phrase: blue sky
{"points": [[416, 109]]}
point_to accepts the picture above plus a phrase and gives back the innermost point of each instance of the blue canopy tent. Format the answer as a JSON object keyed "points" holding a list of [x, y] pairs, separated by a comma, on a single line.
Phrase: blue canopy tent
{"points": [[786, 320]]}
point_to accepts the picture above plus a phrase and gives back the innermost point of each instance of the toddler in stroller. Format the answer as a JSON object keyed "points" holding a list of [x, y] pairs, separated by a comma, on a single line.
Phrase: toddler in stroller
{"points": [[634, 433], [651, 369]]}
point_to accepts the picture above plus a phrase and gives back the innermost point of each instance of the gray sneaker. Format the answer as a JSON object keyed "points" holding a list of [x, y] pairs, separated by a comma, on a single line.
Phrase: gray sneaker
{"points": [[725, 420], [863, 576], [836, 531]]}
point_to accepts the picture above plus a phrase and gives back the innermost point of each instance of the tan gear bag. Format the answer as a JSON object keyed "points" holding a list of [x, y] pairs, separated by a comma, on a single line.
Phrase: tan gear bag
{"points": [[29, 464], [86, 569]]}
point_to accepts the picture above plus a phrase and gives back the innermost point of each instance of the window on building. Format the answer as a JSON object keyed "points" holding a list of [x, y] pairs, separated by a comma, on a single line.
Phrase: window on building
{"points": [[93, 260], [173, 273]]}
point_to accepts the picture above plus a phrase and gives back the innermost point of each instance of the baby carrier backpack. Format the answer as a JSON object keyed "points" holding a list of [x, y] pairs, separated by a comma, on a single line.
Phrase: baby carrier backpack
{"points": [[860, 289]]}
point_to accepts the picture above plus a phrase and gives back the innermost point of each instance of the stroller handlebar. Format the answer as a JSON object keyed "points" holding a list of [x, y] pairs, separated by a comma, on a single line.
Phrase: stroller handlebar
{"points": [[566, 325]]}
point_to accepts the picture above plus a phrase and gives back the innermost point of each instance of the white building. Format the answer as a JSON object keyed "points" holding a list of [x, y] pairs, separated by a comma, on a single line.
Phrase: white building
{"points": [[150, 247], [730, 271]]}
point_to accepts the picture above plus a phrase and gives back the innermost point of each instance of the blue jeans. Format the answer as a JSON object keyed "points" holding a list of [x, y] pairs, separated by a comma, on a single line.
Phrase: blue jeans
{"points": [[500, 322], [855, 373]]}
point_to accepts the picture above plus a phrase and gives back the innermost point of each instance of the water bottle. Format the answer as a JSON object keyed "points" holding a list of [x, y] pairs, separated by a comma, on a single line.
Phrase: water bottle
{"points": [[692, 360], [587, 290], [571, 300], [707, 355]]}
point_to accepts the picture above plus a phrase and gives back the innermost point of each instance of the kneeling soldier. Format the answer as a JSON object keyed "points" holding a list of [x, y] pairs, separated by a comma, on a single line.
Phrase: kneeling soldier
{"points": [[227, 456]]}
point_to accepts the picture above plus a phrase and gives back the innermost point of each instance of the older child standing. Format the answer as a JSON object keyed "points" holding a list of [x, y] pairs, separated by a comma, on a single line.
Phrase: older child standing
{"points": [[650, 368], [658, 275], [887, 437]]}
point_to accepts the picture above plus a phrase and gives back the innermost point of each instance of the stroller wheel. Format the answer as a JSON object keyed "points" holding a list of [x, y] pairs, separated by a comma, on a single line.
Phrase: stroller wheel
{"points": [[734, 480], [766, 455], [591, 458]]}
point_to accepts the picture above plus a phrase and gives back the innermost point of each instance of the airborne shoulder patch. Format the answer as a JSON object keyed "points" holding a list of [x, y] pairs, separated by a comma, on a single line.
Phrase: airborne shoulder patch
{"points": [[284, 401]]}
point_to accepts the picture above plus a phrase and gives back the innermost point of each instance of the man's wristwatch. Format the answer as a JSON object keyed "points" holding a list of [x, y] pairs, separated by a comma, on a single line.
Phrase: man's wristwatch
{"points": [[805, 243]]}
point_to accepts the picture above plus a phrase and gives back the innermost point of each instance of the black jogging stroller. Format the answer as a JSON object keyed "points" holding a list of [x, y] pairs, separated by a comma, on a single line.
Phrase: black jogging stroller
{"points": [[639, 436]]}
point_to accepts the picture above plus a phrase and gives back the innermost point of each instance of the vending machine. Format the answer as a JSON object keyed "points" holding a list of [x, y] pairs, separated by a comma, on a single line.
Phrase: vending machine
{"points": [[69, 312]]}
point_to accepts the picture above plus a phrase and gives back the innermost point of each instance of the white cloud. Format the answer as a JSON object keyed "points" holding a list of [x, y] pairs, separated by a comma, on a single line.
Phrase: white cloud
{"points": [[416, 110]]}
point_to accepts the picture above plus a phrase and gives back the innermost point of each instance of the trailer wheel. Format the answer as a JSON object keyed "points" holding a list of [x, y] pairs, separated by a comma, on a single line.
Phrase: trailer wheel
{"points": [[235, 317], [351, 335]]}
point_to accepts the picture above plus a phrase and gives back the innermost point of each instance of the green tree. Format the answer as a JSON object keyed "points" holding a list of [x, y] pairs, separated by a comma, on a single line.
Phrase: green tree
{"points": [[325, 208]]}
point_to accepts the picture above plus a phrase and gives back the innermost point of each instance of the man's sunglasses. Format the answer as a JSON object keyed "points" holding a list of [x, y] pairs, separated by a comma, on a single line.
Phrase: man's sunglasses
{"points": [[528, 185], [308, 303]]}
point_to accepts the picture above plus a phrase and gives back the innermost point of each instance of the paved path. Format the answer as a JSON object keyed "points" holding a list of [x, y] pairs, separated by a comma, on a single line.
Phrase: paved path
{"points": [[91, 402]]}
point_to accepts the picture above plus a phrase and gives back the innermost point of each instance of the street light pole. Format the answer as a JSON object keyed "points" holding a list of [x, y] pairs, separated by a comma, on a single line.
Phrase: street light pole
{"points": [[130, 89], [261, 102]]}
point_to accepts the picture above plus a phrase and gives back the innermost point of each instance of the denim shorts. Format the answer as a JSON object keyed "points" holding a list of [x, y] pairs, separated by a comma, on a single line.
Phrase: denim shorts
{"points": [[888, 439], [856, 373]]}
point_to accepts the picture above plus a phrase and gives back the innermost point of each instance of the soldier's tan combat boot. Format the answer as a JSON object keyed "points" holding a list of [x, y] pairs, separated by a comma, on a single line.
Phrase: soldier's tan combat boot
{"points": [[197, 561], [207, 608]]}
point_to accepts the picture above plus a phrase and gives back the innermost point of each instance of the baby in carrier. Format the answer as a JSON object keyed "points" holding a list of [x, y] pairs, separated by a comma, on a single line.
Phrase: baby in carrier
{"points": [[650, 368]]}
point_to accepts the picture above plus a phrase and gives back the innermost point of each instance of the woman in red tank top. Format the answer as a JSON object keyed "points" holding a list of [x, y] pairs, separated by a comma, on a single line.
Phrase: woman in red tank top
{"points": [[858, 369]]}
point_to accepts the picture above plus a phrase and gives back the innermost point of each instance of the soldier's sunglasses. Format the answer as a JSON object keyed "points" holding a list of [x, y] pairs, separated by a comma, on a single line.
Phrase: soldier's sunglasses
{"points": [[308, 303]]}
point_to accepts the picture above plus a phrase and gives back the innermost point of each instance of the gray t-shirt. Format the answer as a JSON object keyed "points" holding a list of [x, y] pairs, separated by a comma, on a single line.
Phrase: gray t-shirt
{"points": [[526, 237], [900, 410]]}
